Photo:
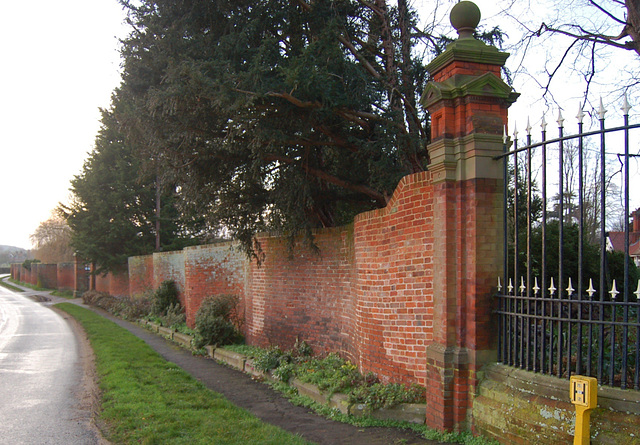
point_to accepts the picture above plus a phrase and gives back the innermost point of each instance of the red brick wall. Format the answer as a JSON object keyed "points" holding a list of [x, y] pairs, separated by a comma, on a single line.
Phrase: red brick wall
{"points": [[113, 283], [211, 270], [141, 270], [366, 294], [169, 266], [394, 293], [102, 282], [66, 276], [119, 283], [307, 296]]}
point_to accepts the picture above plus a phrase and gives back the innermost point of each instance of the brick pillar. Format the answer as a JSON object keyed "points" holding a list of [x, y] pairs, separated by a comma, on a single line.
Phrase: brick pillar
{"points": [[467, 101]]}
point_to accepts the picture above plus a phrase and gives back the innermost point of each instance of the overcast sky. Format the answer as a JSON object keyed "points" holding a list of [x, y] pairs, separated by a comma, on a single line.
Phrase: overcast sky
{"points": [[60, 64]]}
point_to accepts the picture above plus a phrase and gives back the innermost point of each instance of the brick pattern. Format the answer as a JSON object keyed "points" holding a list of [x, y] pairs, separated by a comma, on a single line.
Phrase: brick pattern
{"points": [[113, 283], [458, 67], [394, 293], [141, 270], [66, 276], [304, 294], [212, 270]]}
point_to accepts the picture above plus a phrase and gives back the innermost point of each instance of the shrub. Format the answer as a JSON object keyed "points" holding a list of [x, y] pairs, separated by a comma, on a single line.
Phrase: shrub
{"points": [[213, 321], [174, 316], [379, 396], [165, 297], [92, 297], [135, 308], [272, 358], [122, 306]]}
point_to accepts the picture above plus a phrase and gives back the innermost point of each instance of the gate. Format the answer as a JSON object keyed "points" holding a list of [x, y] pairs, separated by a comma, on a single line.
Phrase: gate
{"points": [[567, 304]]}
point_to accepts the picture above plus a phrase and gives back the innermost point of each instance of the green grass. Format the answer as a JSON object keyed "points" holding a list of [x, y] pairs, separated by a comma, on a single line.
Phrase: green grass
{"points": [[63, 293], [148, 400], [28, 285], [4, 283], [58, 293]]}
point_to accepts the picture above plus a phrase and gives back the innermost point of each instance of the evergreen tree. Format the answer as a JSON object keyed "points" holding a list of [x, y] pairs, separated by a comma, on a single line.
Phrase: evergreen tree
{"points": [[276, 115], [113, 212]]}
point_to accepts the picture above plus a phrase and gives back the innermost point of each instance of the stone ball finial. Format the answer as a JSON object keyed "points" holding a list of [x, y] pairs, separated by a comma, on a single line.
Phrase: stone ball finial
{"points": [[465, 17]]}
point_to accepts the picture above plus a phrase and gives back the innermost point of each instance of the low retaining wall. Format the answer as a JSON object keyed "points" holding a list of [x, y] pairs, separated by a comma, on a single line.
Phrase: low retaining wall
{"points": [[520, 407]]}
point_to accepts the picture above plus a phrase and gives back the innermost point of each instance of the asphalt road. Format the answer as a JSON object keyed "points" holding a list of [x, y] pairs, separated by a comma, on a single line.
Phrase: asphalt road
{"points": [[40, 376]]}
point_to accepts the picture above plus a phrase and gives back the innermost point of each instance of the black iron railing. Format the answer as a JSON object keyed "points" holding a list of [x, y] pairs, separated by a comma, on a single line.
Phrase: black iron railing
{"points": [[561, 311]]}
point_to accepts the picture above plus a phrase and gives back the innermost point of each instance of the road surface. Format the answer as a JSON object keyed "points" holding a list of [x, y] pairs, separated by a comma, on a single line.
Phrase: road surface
{"points": [[41, 377]]}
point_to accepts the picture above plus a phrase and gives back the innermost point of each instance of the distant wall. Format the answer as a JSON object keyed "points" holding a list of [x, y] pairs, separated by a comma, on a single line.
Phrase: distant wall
{"points": [[140, 269], [66, 276], [113, 283]]}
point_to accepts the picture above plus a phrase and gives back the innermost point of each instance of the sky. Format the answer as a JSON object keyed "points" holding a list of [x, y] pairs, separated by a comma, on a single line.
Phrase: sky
{"points": [[60, 64]]}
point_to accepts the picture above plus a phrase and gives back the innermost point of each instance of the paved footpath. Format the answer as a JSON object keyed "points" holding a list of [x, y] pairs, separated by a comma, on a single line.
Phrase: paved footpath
{"points": [[258, 398]]}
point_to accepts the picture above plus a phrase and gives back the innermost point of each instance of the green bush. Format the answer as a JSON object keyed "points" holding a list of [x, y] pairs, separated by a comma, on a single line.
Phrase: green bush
{"points": [[332, 373], [213, 321], [174, 316], [271, 358], [165, 297], [379, 396], [121, 306]]}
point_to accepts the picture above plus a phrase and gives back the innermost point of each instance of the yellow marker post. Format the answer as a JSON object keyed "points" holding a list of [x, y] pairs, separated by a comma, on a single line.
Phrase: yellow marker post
{"points": [[584, 395]]}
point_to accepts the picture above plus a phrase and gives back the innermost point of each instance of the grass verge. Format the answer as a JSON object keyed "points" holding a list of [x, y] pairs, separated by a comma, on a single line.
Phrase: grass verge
{"points": [[4, 283], [148, 400]]}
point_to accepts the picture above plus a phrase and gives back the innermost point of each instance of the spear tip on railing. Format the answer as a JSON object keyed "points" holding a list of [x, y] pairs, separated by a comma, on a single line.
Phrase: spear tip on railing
{"points": [[543, 124], [625, 105], [570, 288], [601, 110], [637, 292], [535, 286], [522, 286], [504, 137], [528, 127], [560, 119], [614, 292], [591, 290], [509, 287], [552, 288], [580, 115], [515, 131], [499, 285]]}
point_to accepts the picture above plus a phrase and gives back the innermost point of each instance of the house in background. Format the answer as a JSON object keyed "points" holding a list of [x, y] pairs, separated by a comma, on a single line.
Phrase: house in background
{"points": [[615, 240]]}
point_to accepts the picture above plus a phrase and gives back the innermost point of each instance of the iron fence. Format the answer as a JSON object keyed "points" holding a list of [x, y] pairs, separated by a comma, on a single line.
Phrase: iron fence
{"points": [[560, 312]]}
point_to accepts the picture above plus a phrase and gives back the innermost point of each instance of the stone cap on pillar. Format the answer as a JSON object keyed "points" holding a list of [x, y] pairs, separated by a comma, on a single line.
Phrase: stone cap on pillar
{"points": [[465, 17]]}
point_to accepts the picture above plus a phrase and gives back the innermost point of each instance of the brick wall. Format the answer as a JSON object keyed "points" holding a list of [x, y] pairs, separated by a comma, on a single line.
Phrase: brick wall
{"points": [[306, 295], [169, 266], [394, 293], [113, 283], [211, 270], [141, 271], [366, 293], [66, 276], [44, 275]]}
